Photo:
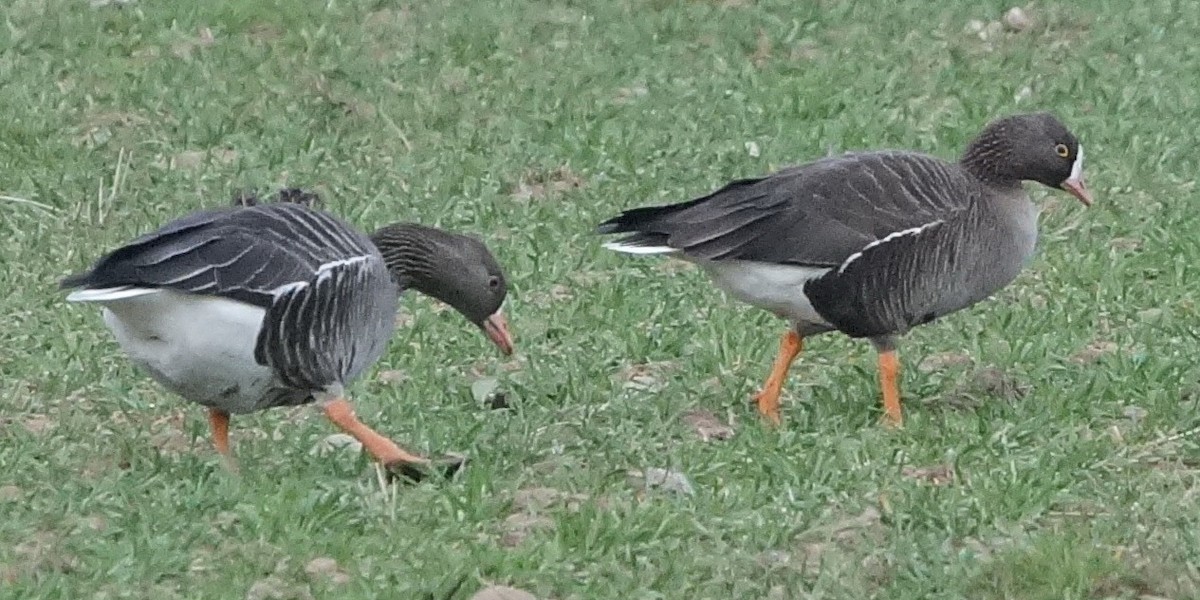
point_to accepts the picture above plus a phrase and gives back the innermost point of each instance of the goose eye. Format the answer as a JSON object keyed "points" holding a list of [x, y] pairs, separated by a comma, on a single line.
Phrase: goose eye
{"points": [[1062, 150]]}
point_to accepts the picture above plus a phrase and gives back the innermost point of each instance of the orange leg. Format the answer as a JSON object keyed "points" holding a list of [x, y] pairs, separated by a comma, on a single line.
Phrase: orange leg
{"points": [[382, 449], [768, 398], [218, 422], [889, 380]]}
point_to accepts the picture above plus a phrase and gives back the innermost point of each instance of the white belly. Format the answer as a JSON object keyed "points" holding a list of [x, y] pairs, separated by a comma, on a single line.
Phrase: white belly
{"points": [[200, 347], [776, 288]]}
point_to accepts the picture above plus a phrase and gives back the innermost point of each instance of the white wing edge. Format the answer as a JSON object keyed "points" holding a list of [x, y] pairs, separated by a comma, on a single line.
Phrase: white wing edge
{"points": [[885, 239], [633, 249], [109, 294]]}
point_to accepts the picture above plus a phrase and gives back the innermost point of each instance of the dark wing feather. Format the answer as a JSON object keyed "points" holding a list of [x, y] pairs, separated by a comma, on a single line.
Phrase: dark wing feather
{"points": [[816, 214], [244, 254], [118, 264]]}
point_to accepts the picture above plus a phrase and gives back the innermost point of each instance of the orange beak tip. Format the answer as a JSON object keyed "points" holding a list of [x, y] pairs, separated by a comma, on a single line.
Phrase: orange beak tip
{"points": [[496, 328], [1077, 188]]}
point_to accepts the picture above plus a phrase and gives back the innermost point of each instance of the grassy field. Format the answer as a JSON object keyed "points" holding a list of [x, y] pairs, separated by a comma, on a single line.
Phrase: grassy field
{"points": [[1050, 450]]}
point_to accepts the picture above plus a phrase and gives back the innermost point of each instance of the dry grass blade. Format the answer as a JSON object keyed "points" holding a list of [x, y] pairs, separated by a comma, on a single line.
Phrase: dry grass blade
{"points": [[105, 198], [397, 130], [1146, 452], [27, 202]]}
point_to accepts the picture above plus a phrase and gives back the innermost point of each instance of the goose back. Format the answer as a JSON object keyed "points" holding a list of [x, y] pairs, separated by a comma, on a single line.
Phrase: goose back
{"points": [[244, 254], [327, 298], [816, 215]]}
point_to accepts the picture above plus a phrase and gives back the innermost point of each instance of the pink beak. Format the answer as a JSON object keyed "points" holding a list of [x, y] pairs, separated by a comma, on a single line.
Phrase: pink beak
{"points": [[1077, 188], [496, 328]]}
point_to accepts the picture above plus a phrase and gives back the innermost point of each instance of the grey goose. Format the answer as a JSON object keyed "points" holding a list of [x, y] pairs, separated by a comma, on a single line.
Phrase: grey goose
{"points": [[244, 309], [870, 244]]}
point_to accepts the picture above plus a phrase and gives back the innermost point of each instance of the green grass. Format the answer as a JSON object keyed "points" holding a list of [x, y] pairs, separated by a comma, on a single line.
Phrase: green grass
{"points": [[1085, 486]]}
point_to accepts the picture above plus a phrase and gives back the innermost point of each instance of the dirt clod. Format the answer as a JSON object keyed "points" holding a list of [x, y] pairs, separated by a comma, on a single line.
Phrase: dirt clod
{"points": [[707, 425]]}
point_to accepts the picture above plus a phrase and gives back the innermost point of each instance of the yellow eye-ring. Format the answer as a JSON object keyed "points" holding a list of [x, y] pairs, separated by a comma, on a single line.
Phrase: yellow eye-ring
{"points": [[1062, 150]]}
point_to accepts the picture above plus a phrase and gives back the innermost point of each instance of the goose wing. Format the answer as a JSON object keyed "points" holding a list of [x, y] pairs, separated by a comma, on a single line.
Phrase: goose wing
{"points": [[815, 215], [246, 254]]}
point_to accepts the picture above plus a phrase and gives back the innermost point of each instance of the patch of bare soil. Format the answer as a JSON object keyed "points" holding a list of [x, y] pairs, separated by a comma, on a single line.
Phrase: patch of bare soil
{"points": [[544, 185], [707, 426], [983, 385], [532, 513]]}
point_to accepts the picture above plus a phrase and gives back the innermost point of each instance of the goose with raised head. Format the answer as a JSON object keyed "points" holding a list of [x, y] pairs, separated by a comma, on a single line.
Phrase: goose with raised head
{"points": [[870, 244]]}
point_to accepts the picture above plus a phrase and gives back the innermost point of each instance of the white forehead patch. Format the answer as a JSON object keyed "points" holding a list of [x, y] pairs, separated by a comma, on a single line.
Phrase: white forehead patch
{"points": [[1077, 166]]}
